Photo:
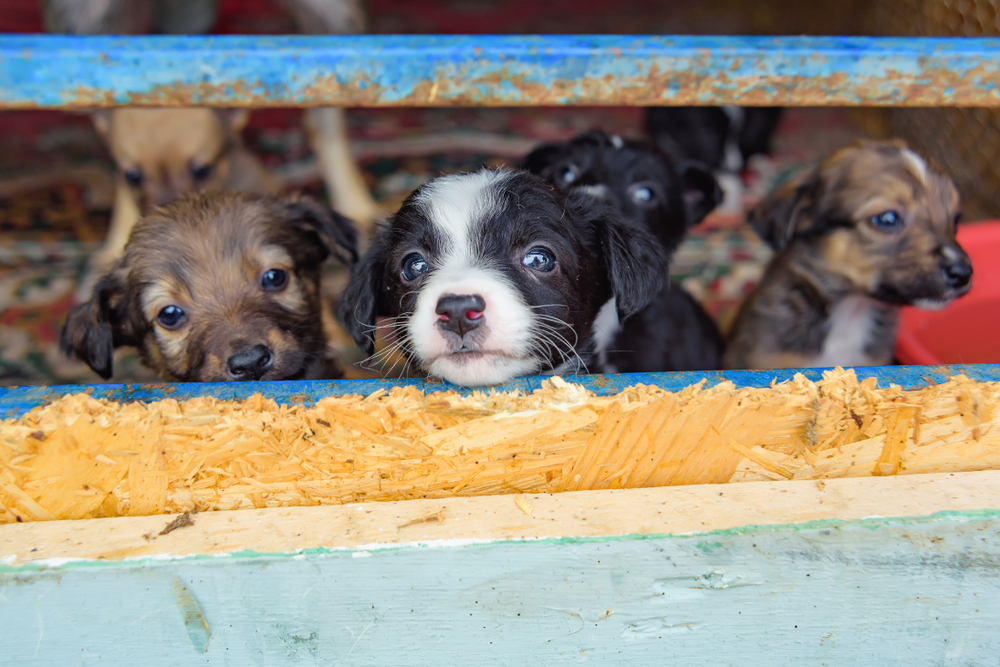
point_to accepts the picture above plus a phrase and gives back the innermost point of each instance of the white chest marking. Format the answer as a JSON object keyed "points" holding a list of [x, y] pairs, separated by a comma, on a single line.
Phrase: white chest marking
{"points": [[852, 323], [606, 327]]}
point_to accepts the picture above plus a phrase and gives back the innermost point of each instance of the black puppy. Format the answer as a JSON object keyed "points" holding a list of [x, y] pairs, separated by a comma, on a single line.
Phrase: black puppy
{"points": [[494, 274], [721, 138], [673, 332]]}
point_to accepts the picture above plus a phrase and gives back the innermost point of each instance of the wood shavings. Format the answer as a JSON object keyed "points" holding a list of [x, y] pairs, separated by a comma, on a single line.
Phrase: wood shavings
{"points": [[523, 505], [85, 458], [432, 516]]}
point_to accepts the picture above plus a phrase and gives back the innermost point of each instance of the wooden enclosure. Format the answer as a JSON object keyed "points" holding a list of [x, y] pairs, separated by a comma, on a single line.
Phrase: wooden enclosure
{"points": [[881, 570]]}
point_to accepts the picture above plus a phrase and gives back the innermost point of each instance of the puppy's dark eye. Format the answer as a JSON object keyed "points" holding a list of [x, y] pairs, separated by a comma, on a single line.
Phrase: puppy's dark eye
{"points": [[134, 176], [539, 259], [201, 173], [171, 317], [642, 194], [414, 266], [887, 220], [569, 174], [274, 279]]}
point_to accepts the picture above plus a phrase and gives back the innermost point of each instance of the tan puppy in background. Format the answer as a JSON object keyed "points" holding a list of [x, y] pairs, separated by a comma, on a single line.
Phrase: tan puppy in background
{"points": [[169, 139], [871, 229], [164, 153]]}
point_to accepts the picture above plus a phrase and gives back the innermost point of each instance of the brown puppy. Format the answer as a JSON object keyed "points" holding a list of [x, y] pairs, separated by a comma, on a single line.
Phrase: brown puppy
{"points": [[164, 153], [218, 286], [871, 229]]}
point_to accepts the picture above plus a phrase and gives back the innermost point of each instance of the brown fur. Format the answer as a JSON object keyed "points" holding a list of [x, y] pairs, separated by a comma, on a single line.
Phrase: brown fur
{"points": [[166, 148], [836, 271], [206, 254]]}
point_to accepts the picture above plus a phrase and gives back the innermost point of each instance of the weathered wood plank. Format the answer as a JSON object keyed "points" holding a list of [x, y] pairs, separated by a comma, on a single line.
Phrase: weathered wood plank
{"points": [[584, 514], [460, 70], [923, 590]]}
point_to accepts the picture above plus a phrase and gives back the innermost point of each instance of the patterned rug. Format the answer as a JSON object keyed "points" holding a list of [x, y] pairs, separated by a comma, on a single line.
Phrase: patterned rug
{"points": [[56, 184]]}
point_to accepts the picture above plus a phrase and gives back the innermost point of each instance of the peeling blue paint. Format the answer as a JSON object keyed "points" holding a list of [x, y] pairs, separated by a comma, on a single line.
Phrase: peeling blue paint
{"points": [[435, 70], [15, 401], [192, 616]]}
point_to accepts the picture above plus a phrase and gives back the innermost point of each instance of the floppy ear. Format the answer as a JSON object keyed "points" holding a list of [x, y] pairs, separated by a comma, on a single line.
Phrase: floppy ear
{"points": [[702, 192], [94, 329], [359, 304], [780, 216], [636, 261], [540, 158], [335, 231]]}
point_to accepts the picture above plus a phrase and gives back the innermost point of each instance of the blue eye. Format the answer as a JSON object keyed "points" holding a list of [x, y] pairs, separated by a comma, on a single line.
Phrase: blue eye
{"points": [[887, 220], [170, 317], [568, 175], [134, 176], [201, 173], [274, 279], [539, 259], [642, 194], [414, 266]]}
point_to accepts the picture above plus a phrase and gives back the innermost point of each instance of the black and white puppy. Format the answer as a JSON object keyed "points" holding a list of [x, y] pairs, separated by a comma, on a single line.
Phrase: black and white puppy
{"points": [[648, 187], [487, 276], [673, 333]]}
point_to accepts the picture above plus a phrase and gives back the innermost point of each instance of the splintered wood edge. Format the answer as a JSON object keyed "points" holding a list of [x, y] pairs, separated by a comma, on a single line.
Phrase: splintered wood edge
{"points": [[582, 514]]}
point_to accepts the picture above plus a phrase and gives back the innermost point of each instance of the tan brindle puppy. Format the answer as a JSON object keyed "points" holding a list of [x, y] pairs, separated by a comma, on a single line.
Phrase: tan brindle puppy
{"points": [[871, 229]]}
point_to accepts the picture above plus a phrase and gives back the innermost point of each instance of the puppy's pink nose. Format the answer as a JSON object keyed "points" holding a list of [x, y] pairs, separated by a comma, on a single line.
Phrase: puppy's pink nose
{"points": [[460, 313]]}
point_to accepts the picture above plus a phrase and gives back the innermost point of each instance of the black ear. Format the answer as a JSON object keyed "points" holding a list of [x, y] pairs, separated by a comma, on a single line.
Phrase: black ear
{"points": [[335, 231], [94, 329], [702, 192], [636, 261], [780, 216], [759, 126], [542, 157], [359, 304]]}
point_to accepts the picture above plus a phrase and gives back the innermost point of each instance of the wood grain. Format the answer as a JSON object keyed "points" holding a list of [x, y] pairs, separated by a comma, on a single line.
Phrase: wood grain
{"points": [[668, 510]]}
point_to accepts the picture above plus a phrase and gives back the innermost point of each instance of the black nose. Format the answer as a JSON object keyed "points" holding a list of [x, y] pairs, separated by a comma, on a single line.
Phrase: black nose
{"points": [[250, 363], [957, 271], [459, 313]]}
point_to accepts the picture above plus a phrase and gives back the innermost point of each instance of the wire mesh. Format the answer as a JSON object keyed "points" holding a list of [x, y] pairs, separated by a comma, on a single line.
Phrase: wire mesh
{"points": [[964, 141]]}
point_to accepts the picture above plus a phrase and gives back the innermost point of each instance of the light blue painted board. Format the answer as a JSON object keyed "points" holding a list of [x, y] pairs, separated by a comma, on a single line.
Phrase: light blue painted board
{"points": [[15, 401], [874, 592], [444, 70]]}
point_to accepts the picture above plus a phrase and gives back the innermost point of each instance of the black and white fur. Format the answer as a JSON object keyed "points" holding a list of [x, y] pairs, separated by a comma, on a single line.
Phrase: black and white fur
{"points": [[495, 274], [672, 333]]}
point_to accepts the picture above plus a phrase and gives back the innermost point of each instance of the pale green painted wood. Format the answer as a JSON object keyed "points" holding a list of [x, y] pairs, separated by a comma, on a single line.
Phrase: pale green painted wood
{"points": [[874, 592]]}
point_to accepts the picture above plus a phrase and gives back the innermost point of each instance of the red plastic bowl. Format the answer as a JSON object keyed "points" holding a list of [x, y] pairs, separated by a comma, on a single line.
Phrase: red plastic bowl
{"points": [[967, 331]]}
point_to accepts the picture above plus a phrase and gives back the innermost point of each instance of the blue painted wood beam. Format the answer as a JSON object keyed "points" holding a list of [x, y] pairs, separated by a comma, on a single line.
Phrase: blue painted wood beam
{"points": [[886, 590], [15, 401], [47, 71]]}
